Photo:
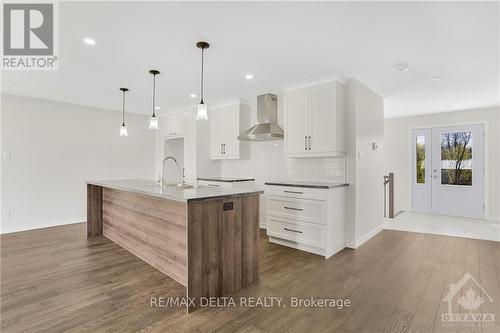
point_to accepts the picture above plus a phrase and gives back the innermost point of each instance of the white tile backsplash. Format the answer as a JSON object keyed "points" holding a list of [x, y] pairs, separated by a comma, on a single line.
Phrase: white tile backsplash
{"points": [[268, 162]]}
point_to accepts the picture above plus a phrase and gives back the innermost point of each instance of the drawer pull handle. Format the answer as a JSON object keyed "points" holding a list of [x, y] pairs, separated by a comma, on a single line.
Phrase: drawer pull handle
{"points": [[297, 231], [296, 192], [292, 208], [172, 133], [214, 185]]}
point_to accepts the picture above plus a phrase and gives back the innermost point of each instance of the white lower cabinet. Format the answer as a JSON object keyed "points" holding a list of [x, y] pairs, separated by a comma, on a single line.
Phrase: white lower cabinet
{"points": [[308, 219]]}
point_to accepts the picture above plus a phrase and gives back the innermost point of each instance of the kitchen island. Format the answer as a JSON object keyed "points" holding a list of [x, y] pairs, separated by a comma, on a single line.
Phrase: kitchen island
{"points": [[205, 238]]}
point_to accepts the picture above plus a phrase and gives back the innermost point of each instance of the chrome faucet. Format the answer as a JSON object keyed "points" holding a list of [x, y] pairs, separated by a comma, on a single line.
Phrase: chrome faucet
{"points": [[163, 179]]}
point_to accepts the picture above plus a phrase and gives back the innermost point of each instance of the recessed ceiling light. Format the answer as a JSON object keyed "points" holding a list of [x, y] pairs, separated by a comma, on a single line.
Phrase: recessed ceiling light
{"points": [[433, 78], [157, 108], [402, 67], [89, 41], [192, 95], [249, 76]]}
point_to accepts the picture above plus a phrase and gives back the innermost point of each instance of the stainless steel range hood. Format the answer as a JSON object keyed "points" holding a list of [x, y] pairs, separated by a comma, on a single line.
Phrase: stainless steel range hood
{"points": [[267, 121]]}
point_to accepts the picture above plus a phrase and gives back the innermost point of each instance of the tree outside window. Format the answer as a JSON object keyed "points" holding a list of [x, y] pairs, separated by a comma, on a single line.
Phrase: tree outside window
{"points": [[456, 158]]}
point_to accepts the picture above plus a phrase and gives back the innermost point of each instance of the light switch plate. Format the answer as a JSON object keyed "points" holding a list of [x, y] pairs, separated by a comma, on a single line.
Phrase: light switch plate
{"points": [[5, 214]]}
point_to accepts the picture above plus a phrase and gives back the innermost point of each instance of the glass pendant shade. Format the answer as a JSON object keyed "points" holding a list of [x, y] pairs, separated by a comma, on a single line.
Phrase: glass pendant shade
{"points": [[123, 130], [202, 113], [153, 123]]}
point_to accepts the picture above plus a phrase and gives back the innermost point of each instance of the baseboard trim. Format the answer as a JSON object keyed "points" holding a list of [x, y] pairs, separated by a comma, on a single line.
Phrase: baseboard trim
{"points": [[360, 241], [8, 229]]}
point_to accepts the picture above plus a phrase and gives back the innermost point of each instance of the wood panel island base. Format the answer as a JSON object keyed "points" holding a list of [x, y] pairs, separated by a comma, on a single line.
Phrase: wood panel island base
{"points": [[204, 238]]}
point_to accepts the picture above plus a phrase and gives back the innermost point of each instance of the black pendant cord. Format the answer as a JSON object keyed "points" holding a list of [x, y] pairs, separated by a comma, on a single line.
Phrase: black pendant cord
{"points": [[202, 52], [154, 94], [123, 109]]}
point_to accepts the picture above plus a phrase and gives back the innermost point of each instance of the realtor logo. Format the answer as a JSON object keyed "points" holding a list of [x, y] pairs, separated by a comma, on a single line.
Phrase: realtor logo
{"points": [[465, 301], [29, 36]]}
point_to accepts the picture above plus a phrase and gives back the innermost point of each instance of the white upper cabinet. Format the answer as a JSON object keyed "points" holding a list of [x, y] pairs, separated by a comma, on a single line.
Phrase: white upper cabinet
{"points": [[314, 121], [175, 125], [226, 123], [297, 122]]}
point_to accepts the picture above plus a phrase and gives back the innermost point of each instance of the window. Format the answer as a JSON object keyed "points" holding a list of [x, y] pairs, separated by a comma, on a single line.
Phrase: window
{"points": [[420, 159], [456, 158]]}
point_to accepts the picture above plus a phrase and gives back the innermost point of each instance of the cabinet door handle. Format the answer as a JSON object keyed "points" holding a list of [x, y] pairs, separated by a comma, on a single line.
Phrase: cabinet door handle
{"points": [[297, 231], [213, 185], [295, 192], [224, 145], [305, 142], [293, 208], [309, 142], [172, 133], [221, 149]]}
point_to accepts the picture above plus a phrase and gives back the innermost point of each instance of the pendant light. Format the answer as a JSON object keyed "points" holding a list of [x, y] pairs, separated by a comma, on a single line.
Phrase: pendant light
{"points": [[123, 127], [202, 113], [153, 121]]}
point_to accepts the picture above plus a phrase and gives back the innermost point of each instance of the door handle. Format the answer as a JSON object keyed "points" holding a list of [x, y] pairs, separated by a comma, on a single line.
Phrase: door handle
{"points": [[292, 208], [297, 231]]}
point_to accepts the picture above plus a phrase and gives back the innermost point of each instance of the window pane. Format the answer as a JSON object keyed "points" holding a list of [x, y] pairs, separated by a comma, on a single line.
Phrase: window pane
{"points": [[456, 158], [420, 151]]}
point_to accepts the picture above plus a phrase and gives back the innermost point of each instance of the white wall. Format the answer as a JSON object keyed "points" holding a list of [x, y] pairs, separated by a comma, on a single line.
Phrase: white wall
{"points": [[54, 147], [365, 166], [398, 151]]}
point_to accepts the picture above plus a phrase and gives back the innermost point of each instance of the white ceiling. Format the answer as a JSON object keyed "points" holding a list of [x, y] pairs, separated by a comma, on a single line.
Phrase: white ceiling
{"points": [[279, 43]]}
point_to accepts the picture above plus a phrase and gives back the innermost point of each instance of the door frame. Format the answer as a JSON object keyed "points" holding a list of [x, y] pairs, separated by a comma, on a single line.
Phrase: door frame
{"points": [[486, 159]]}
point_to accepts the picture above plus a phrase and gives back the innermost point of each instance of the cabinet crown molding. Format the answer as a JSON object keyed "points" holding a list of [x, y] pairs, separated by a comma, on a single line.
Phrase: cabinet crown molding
{"points": [[229, 103], [313, 82]]}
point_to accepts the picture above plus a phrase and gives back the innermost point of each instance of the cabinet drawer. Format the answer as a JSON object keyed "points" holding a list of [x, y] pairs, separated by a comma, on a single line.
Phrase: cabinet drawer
{"points": [[304, 233], [297, 192], [297, 209]]}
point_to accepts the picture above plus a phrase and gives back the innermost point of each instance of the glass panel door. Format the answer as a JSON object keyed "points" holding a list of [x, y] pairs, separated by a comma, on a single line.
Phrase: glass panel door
{"points": [[457, 171], [421, 161]]}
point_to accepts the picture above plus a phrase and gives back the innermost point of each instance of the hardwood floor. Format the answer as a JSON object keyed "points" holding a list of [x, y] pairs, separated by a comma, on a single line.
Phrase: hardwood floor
{"points": [[57, 280]]}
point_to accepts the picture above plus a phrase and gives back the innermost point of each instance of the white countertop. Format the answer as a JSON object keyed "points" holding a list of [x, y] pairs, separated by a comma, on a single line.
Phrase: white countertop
{"points": [[150, 187]]}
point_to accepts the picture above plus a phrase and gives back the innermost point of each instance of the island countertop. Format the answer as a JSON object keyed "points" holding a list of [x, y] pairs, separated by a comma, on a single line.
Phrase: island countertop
{"points": [[150, 187]]}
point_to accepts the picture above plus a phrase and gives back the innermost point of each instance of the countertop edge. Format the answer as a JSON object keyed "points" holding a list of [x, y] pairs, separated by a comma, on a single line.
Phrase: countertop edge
{"points": [[207, 179], [324, 187], [226, 195]]}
